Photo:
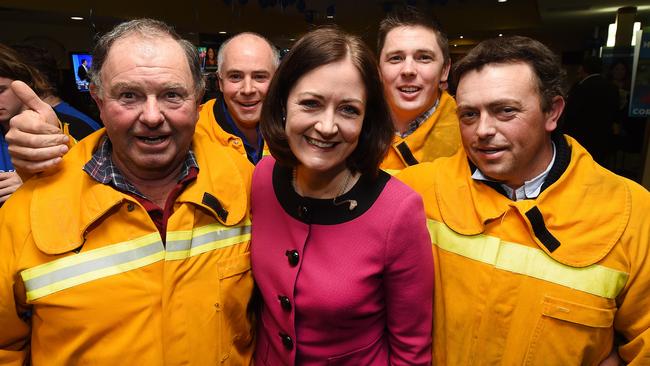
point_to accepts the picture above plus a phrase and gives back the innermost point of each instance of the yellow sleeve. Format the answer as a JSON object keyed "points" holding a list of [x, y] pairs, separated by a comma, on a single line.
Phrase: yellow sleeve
{"points": [[633, 316], [14, 331]]}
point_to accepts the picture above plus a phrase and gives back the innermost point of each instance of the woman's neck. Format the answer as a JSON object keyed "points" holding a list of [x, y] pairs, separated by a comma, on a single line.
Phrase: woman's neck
{"points": [[323, 184]]}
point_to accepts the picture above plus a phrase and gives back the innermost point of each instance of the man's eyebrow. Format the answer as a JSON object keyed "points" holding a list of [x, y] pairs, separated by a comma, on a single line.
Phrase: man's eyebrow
{"points": [[174, 85], [419, 50], [504, 101], [127, 85], [123, 85], [259, 71], [491, 104], [464, 106]]}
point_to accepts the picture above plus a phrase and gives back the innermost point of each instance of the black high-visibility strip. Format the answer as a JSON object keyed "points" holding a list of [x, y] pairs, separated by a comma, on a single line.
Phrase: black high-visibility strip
{"points": [[540, 230], [407, 155]]}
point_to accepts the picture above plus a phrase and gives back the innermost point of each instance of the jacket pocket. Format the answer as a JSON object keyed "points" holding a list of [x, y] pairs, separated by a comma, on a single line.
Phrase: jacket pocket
{"points": [[235, 289], [375, 353], [571, 333]]}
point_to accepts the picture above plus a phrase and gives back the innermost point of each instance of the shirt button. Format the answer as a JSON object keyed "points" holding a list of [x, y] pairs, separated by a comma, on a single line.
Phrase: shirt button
{"points": [[130, 207], [293, 257], [285, 303], [286, 341]]}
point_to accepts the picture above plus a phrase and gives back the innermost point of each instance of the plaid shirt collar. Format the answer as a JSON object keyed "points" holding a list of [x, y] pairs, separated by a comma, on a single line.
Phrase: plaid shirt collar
{"points": [[102, 169], [418, 121]]}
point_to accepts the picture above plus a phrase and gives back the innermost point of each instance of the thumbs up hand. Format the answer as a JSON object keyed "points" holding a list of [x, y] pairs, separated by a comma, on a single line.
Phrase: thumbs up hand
{"points": [[35, 140]]}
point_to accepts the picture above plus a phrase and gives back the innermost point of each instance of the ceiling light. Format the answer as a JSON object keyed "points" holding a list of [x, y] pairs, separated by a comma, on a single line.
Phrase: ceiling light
{"points": [[501, 1], [500, 34], [611, 35], [637, 27], [330, 11], [461, 37], [223, 32], [77, 18]]}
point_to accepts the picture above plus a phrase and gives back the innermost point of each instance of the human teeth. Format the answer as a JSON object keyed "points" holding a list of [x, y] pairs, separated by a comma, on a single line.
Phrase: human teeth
{"points": [[409, 89], [320, 143], [151, 140]]}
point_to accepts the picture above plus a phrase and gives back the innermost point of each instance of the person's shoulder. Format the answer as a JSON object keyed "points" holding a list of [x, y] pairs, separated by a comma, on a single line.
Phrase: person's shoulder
{"points": [[67, 109], [66, 180], [208, 105], [398, 186], [419, 177], [267, 162], [639, 194], [213, 153]]}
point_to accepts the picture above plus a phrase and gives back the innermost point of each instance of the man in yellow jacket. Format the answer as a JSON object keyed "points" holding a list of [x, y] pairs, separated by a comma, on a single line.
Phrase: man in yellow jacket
{"points": [[542, 256], [414, 64], [246, 64], [146, 260]]}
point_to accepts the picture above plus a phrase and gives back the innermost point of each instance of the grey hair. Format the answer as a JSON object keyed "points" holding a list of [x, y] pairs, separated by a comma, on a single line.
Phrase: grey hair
{"points": [[274, 50], [148, 28]]}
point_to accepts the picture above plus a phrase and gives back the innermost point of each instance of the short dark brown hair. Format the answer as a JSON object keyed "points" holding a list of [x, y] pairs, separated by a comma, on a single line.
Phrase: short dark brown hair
{"points": [[503, 50], [13, 67], [409, 16], [317, 48]]}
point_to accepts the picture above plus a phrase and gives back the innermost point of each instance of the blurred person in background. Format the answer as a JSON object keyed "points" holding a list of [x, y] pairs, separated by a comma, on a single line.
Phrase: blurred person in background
{"points": [[12, 68], [591, 111], [79, 124]]}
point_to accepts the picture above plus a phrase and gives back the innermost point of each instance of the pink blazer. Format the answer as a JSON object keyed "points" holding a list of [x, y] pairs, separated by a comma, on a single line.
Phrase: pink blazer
{"points": [[341, 286]]}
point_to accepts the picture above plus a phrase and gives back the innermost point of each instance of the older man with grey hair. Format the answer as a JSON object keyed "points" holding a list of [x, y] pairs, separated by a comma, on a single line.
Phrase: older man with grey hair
{"points": [[136, 250], [246, 63]]}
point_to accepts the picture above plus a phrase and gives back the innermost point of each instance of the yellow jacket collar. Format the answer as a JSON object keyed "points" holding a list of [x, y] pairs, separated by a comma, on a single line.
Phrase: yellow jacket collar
{"points": [[566, 208], [65, 203]]}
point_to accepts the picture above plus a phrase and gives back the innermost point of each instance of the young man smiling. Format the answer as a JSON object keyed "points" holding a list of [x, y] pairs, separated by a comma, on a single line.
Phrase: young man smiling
{"points": [[414, 64]]}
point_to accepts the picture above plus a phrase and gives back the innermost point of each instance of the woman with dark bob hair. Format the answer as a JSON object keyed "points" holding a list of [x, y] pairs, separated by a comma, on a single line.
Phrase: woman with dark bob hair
{"points": [[340, 250]]}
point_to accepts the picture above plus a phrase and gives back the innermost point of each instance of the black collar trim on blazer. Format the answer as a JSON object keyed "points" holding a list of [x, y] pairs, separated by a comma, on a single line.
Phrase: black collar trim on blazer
{"points": [[561, 163], [323, 211]]}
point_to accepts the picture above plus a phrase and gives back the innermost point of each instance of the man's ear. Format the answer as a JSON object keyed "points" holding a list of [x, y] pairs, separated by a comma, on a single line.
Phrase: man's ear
{"points": [[220, 81], [95, 94], [554, 113], [444, 75]]}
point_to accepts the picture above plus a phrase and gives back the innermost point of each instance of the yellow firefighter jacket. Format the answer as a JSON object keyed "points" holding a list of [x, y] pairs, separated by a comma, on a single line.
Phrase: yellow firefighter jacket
{"points": [[85, 277], [438, 136], [543, 281]]}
